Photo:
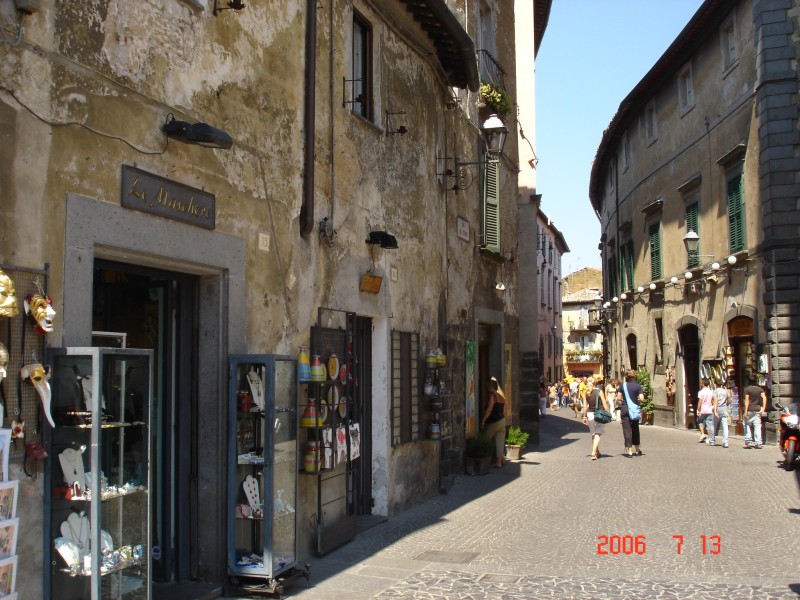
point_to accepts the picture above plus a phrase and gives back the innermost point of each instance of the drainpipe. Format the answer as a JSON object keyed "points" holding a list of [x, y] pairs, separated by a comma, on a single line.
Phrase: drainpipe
{"points": [[309, 131]]}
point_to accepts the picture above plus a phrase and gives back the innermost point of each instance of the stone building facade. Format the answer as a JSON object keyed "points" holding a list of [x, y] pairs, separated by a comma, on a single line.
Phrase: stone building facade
{"points": [[345, 140], [705, 147]]}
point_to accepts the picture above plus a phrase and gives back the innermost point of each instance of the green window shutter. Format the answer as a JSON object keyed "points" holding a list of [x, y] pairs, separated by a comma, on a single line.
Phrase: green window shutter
{"points": [[735, 215], [693, 224], [655, 251], [622, 270], [630, 262], [491, 206]]}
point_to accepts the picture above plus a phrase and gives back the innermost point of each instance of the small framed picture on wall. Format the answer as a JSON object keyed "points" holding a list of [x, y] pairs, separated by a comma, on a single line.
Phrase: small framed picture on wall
{"points": [[8, 499]]}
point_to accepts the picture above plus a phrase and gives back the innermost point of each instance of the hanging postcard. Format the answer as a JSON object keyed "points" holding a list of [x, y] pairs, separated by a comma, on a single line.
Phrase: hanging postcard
{"points": [[355, 441]]}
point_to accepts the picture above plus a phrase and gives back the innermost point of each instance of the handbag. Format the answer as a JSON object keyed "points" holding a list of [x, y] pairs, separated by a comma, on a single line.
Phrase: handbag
{"points": [[600, 415], [634, 412]]}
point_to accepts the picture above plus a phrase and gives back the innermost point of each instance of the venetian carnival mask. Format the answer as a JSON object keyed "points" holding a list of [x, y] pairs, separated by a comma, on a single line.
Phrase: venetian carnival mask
{"points": [[3, 361], [8, 301], [38, 375], [41, 310]]}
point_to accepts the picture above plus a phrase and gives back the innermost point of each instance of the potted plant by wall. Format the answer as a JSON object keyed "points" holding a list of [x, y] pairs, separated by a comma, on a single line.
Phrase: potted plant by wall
{"points": [[643, 378], [515, 442], [478, 455], [495, 98]]}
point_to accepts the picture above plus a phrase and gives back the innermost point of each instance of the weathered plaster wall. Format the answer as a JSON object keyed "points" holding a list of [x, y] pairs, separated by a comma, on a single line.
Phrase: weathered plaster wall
{"points": [[91, 84]]}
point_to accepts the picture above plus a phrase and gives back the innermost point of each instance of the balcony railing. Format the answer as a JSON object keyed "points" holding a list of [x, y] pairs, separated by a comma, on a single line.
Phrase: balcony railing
{"points": [[490, 70]]}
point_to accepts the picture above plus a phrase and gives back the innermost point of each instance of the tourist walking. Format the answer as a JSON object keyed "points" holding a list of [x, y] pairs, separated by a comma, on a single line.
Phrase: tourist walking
{"points": [[755, 403], [542, 399], [595, 398], [631, 397], [705, 411], [722, 397], [611, 396], [494, 422]]}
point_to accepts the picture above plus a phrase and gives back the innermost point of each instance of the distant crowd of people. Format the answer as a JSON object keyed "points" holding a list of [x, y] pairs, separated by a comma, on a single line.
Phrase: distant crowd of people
{"points": [[596, 404]]}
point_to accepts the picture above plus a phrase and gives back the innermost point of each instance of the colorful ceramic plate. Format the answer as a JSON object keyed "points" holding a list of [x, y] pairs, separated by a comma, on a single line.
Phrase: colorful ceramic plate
{"points": [[343, 374], [333, 397], [343, 407], [333, 367], [323, 411]]}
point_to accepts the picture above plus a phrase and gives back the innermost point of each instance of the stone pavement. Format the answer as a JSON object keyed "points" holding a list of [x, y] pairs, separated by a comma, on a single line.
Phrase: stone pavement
{"points": [[533, 528]]}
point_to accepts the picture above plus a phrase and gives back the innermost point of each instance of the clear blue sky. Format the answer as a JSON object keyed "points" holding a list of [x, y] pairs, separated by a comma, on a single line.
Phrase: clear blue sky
{"points": [[593, 54]]}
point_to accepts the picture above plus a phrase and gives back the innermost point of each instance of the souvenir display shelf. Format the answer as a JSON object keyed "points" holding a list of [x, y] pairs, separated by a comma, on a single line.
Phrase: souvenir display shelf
{"points": [[97, 478], [437, 385], [263, 454]]}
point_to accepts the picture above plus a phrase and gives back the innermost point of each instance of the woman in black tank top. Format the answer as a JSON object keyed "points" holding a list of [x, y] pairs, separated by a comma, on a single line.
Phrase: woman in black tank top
{"points": [[494, 422]]}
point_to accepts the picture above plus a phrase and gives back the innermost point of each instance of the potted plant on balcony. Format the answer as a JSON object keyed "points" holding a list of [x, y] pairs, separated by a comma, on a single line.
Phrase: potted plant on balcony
{"points": [[515, 442], [495, 98], [478, 455]]}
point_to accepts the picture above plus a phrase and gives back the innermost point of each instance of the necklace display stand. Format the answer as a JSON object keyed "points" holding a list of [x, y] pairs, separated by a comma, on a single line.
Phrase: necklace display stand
{"points": [[256, 388], [72, 465]]}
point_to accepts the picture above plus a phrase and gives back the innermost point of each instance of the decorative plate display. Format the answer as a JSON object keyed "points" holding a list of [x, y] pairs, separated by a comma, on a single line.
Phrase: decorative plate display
{"points": [[333, 367], [323, 411], [343, 407], [333, 397], [343, 373]]}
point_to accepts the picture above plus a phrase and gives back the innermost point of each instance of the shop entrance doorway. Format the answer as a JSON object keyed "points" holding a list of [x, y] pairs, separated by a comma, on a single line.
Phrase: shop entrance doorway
{"points": [[690, 346], [157, 310]]}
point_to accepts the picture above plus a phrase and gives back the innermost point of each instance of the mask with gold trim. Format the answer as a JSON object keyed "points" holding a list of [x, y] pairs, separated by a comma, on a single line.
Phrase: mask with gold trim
{"points": [[8, 299], [41, 310]]}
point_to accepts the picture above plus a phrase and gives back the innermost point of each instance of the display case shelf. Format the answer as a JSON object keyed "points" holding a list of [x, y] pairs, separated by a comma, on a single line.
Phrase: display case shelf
{"points": [[263, 446], [101, 403]]}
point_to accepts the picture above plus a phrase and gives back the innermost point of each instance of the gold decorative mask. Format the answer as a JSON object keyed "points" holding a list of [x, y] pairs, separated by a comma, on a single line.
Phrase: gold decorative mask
{"points": [[40, 309], [8, 301]]}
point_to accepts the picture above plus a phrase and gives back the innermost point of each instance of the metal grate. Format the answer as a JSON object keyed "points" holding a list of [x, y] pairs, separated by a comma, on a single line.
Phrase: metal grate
{"points": [[24, 347]]}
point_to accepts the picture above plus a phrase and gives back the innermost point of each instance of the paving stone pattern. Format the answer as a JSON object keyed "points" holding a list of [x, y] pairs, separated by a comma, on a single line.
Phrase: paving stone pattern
{"points": [[531, 529]]}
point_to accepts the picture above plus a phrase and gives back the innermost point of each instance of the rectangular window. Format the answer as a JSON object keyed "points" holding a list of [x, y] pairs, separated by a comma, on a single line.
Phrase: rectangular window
{"points": [[613, 282], [626, 152], [405, 387], [659, 325], [686, 88], [491, 205], [693, 224], [650, 121], [735, 214], [730, 52], [611, 177], [362, 68], [629, 252], [654, 232], [623, 271]]}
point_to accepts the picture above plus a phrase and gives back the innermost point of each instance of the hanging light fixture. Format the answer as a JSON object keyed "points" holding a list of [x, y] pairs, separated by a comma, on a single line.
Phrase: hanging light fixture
{"points": [[199, 134]]}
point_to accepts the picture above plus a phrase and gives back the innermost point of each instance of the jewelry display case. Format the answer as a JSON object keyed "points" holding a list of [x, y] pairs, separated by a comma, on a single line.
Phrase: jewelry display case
{"points": [[263, 454], [97, 476]]}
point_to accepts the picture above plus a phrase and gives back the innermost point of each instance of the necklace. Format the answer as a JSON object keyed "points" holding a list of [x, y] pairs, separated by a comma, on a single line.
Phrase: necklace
{"points": [[76, 537], [71, 464]]}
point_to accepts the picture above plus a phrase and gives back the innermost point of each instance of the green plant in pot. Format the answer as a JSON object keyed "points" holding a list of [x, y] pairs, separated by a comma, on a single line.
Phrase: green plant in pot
{"points": [[479, 447], [478, 452], [495, 97], [515, 441]]}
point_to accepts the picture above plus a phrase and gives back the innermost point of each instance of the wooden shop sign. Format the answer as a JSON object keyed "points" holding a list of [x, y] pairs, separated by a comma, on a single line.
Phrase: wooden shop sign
{"points": [[156, 195], [370, 283]]}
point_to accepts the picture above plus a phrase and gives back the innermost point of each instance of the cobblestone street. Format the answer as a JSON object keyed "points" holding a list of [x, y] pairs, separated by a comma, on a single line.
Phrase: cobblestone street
{"points": [[533, 529]]}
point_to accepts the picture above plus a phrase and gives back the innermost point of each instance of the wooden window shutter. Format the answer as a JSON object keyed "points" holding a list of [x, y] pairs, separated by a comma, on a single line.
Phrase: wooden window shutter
{"points": [[693, 224], [735, 215], [655, 252], [405, 415], [629, 245], [491, 206]]}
